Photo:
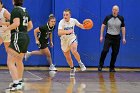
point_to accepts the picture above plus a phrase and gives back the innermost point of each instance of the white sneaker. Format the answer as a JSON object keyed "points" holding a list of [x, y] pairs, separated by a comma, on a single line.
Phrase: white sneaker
{"points": [[82, 66], [52, 68], [27, 55], [72, 72], [21, 82], [15, 87]]}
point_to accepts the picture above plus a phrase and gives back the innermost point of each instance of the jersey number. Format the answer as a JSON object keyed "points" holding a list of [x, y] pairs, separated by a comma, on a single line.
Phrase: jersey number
{"points": [[25, 21]]}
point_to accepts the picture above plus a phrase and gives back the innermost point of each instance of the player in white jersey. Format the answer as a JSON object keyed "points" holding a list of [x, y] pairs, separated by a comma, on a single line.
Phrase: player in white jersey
{"points": [[4, 36], [69, 41]]}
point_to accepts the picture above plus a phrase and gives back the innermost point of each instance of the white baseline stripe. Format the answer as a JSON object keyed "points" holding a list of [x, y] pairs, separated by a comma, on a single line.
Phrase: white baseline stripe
{"points": [[39, 78]]}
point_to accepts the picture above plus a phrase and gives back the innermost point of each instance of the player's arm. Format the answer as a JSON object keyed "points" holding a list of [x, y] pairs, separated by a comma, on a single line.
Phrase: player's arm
{"points": [[80, 26], [64, 32], [35, 35], [7, 16], [14, 25], [61, 30], [51, 41], [30, 26], [50, 36]]}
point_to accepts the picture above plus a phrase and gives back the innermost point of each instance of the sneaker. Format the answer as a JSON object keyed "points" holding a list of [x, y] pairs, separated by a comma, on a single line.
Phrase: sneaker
{"points": [[99, 68], [82, 66], [27, 55], [21, 82], [72, 72], [15, 87], [112, 70], [52, 68]]}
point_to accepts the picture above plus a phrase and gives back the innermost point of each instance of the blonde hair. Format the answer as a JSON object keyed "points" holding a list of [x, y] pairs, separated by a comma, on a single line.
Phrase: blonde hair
{"points": [[51, 16]]}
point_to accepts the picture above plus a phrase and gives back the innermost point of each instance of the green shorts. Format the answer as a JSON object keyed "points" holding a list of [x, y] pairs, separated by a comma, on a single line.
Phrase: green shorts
{"points": [[19, 42]]}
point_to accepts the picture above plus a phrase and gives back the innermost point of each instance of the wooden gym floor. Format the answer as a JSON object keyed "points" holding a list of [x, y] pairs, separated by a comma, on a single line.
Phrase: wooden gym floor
{"points": [[40, 80]]}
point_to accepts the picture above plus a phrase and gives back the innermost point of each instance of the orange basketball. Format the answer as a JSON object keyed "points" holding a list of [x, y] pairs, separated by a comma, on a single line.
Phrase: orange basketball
{"points": [[88, 23]]}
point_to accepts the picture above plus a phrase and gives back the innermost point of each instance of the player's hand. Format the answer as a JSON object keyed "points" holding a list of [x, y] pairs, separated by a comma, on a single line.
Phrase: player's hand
{"points": [[124, 41], [70, 32], [51, 44], [37, 42], [4, 29], [101, 39]]}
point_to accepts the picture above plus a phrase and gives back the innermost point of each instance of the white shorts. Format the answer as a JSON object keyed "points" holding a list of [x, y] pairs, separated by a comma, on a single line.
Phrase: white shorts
{"points": [[6, 36], [66, 41]]}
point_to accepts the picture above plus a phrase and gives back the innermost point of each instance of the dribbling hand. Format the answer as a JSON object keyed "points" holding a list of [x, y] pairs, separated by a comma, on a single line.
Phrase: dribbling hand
{"points": [[70, 32]]}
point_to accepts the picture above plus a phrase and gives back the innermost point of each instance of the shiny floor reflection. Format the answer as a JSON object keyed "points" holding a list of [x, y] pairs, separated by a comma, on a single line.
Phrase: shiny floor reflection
{"points": [[83, 82]]}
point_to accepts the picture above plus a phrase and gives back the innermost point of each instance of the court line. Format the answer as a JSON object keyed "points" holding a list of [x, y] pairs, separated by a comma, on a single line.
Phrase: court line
{"points": [[39, 78]]}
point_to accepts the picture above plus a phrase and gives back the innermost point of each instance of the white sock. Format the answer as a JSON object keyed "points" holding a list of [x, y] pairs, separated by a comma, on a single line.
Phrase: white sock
{"points": [[80, 62], [15, 81]]}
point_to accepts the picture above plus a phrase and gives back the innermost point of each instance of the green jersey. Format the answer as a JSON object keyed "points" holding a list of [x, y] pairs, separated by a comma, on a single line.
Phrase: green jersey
{"points": [[21, 13], [45, 30]]}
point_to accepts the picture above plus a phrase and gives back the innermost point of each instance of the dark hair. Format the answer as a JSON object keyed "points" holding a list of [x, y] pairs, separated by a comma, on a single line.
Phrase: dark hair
{"points": [[67, 10], [51, 16], [1, 2], [18, 2]]}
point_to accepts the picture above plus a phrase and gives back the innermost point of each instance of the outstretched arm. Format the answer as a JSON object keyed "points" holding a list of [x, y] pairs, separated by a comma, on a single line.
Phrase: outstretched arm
{"points": [[80, 26]]}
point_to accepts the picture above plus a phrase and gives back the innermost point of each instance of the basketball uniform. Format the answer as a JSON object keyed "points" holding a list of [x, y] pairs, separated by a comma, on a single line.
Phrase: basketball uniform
{"points": [[43, 36], [67, 40], [4, 35], [19, 36]]}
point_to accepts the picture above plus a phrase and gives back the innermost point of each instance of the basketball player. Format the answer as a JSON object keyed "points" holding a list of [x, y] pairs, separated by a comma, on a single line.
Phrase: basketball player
{"points": [[4, 17], [42, 36], [69, 40], [20, 24]]}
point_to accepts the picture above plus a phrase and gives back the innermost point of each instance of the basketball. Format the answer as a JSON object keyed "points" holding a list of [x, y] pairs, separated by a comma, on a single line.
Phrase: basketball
{"points": [[88, 23]]}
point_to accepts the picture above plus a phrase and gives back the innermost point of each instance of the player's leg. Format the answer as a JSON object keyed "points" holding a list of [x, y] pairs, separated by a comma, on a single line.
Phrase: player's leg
{"points": [[28, 54], [74, 51], [70, 62], [11, 61], [46, 52], [6, 40], [6, 45]]}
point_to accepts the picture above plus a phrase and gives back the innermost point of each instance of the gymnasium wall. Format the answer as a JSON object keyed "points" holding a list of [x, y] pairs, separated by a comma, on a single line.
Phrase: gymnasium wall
{"points": [[89, 46]]}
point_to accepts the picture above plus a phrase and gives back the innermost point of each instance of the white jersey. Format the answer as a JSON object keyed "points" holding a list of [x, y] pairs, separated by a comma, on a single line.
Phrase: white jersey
{"points": [[68, 25], [67, 40], [2, 18], [4, 35]]}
